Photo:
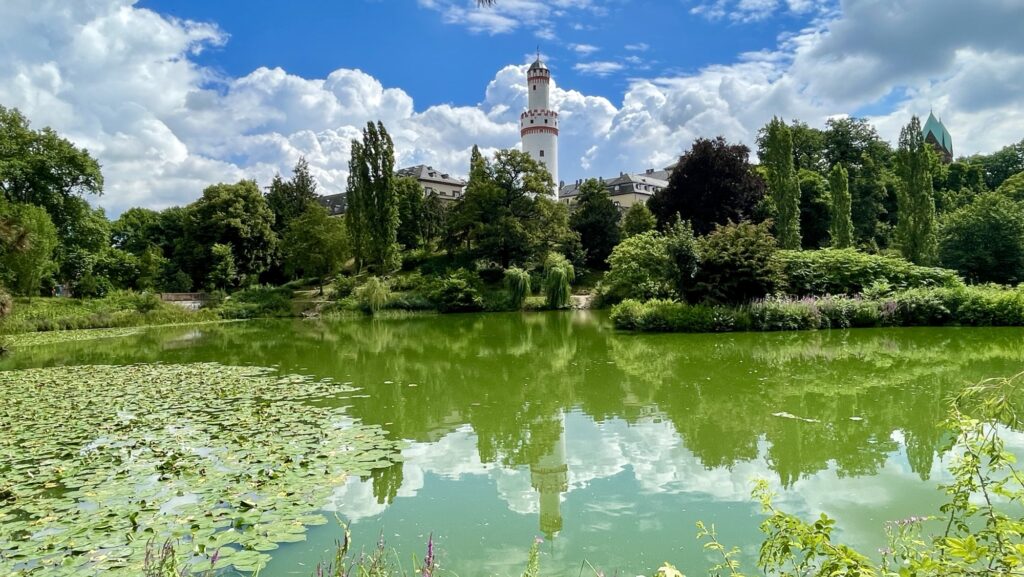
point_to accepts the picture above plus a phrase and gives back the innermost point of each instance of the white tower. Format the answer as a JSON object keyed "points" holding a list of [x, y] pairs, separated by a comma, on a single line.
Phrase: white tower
{"points": [[539, 124]]}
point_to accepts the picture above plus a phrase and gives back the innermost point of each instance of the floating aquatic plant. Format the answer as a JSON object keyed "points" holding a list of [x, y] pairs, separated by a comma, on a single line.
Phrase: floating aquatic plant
{"points": [[228, 462]]}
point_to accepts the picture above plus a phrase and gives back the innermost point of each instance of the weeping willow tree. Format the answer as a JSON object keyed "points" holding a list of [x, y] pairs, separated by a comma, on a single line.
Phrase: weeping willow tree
{"points": [[517, 283], [374, 294], [558, 276]]}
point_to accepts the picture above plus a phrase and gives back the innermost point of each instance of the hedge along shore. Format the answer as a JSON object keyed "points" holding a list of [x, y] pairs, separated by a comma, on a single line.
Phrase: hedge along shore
{"points": [[980, 305]]}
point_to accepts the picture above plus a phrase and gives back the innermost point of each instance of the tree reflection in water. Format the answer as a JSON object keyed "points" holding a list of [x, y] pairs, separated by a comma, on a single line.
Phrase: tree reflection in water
{"points": [[804, 402]]}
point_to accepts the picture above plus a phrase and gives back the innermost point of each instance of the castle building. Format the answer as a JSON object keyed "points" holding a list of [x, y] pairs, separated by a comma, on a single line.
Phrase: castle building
{"points": [[625, 190], [538, 126], [935, 133], [444, 185]]}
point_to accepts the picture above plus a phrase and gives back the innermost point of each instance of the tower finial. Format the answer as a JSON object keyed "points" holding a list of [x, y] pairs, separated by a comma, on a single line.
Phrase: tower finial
{"points": [[538, 53]]}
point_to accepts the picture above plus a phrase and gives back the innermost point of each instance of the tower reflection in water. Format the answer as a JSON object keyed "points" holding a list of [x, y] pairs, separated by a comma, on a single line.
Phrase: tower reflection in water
{"points": [[549, 476]]}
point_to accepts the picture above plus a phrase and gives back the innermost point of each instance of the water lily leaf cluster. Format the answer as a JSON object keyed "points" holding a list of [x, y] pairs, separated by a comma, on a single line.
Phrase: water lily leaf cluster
{"points": [[97, 460]]}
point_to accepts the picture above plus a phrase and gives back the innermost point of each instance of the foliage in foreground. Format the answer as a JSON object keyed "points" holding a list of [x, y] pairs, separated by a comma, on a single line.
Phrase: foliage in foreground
{"points": [[272, 459]]}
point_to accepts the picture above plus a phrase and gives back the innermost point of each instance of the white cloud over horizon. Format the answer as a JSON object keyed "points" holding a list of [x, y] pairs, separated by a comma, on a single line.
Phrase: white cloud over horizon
{"points": [[123, 82]]}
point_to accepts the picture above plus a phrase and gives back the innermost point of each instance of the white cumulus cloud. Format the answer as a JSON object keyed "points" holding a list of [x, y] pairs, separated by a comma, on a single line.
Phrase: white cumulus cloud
{"points": [[122, 81]]}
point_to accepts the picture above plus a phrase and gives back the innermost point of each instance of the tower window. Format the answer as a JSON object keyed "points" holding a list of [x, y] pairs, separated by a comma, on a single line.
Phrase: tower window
{"points": [[531, 121], [545, 121], [535, 87], [542, 154]]}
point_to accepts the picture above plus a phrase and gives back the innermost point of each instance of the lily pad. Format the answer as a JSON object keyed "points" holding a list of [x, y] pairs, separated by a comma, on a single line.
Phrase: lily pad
{"points": [[95, 461]]}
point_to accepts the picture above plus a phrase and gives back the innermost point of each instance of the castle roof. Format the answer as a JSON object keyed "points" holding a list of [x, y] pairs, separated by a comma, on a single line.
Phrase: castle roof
{"points": [[938, 130], [424, 172], [538, 64]]}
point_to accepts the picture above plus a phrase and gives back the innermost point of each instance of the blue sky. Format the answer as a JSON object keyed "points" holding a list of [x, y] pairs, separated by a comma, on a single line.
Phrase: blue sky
{"points": [[174, 95], [405, 43]]}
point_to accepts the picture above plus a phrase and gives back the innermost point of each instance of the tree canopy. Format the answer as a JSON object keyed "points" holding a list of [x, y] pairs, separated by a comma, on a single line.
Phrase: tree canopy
{"points": [[984, 240], [236, 215], [596, 219], [714, 183]]}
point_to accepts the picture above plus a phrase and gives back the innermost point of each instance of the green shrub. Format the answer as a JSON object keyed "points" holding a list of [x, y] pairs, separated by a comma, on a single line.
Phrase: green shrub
{"points": [[664, 315], [925, 306], [407, 282], [640, 267], [517, 284], [258, 302], [850, 271], [737, 264], [991, 305], [458, 292], [410, 302], [558, 276], [344, 287], [784, 314]]}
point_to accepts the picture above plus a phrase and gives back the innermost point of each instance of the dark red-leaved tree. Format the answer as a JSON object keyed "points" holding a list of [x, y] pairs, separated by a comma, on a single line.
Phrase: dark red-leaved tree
{"points": [[714, 183]]}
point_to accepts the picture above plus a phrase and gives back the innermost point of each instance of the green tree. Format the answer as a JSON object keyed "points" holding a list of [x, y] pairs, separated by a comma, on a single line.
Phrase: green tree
{"points": [[855, 144], [40, 167], [134, 230], [916, 229], [434, 219], [119, 267], [841, 228], [411, 212], [713, 183], [27, 262], [984, 240], [238, 216], [372, 211], [315, 244], [1013, 187], [1002, 164], [558, 276], [596, 219], [356, 205], [815, 209], [637, 220], [782, 182], [223, 270], [684, 252], [288, 198], [505, 215], [82, 242]]}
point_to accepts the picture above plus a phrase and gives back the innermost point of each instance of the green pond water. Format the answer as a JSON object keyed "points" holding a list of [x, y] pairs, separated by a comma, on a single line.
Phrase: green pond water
{"points": [[610, 446]]}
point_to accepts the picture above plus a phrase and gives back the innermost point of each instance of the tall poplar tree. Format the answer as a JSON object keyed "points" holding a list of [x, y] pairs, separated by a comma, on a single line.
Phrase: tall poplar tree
{"points": [[782, 182], [841, 227], [379, 157], [916, 229], [371, 212], [356, 205]]}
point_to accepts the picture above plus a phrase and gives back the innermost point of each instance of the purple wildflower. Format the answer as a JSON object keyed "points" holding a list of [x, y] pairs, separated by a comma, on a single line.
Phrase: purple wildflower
{"points": [[428, 561], [216, 556]]}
